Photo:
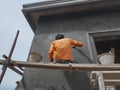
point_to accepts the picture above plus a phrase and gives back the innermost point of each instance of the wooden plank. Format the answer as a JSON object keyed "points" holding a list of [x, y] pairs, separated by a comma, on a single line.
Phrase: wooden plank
{"points": [[112, 82], [107, 74], [111, 78], [101, 83], [109, 82]]}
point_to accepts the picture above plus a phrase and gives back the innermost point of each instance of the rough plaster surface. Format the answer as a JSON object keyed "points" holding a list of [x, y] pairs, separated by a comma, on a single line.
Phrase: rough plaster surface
{"points": [[73, 26]]}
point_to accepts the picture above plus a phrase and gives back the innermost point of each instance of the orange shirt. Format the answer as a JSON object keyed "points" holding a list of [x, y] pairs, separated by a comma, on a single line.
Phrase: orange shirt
{"points": [[62, 49]]}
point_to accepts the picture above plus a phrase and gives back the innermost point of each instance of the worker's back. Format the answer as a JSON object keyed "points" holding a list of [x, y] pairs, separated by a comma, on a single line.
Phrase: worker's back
{"points": [[63, 49]]}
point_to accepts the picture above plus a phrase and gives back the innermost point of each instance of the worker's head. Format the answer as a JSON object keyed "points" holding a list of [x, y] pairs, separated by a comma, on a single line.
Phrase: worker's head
{"points": [[59, 36]]}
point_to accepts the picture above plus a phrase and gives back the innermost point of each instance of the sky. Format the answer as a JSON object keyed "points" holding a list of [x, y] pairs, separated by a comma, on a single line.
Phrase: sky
{"points": [[11, 20]]}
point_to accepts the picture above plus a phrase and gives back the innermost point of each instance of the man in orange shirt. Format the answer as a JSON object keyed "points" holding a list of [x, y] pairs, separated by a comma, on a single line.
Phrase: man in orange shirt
{"points": [[61, 49]]}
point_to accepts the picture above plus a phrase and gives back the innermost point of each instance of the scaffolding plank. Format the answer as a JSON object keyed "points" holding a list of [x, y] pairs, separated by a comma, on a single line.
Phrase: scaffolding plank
{"points": [[107, 74], [111, 78], [109, 82]]}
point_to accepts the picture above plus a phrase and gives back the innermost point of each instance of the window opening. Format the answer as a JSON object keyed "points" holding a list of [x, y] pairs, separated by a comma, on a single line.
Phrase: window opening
{"points": [[103, 42], [104, 46]]}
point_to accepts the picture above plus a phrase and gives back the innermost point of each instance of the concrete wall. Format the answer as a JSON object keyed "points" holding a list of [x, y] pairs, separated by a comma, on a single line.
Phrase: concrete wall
{"points": [[75, 26]]}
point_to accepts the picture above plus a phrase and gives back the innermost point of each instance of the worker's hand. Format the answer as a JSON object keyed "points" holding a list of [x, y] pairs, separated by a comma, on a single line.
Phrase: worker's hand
{"points": [[73, 46]]}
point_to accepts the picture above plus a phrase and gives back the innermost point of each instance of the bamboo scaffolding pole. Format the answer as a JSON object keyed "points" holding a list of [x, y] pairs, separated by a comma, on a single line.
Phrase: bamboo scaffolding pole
{"points": [[5, 65], [82, 67], [12, 67], [16, 70]]}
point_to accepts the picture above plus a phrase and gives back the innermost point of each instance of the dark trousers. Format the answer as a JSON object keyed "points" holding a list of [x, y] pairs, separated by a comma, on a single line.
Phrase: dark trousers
{"points": [[63, 61]]}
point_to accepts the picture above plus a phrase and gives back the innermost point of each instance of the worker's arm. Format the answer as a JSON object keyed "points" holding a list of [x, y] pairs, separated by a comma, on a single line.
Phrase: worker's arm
{"points": [[76, 43], [51, 52]]}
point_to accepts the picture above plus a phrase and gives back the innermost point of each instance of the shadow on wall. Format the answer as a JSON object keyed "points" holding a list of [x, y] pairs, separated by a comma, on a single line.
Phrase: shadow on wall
{"points": [[78, 80], [82, 53]]}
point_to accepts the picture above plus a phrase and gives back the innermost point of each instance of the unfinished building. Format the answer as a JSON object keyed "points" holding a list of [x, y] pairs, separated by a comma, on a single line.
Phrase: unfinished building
{"points": [[94, 22]]}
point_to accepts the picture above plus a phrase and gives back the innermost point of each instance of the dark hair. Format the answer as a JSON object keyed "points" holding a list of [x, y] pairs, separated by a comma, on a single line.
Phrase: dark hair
{"points": [[59, 36]]}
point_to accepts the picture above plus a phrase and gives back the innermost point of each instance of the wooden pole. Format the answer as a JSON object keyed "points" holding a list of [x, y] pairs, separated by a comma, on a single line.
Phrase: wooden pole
{"points": [[5, 65], [13, 68], [83, 67], [16, 70]]}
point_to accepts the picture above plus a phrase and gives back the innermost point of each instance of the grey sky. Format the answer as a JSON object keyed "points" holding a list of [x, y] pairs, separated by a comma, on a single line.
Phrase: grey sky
{"points": [[11, 20]]}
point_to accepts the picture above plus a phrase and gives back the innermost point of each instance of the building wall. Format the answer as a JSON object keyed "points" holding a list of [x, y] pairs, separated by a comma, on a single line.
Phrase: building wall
{"points": [[75, 26]]}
